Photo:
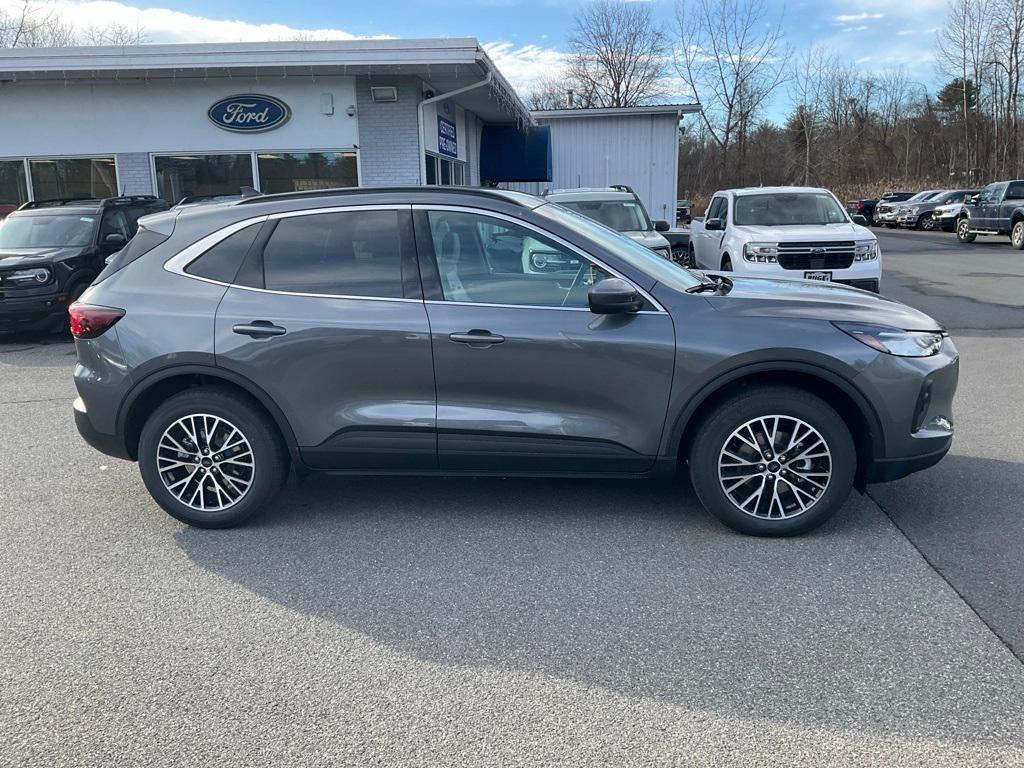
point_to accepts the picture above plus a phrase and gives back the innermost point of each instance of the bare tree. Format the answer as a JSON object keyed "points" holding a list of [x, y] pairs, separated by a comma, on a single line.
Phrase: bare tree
{"points": [[807, 91], [731, 55], [618, 55], [34, 24], [113, 34], [559, 93]]}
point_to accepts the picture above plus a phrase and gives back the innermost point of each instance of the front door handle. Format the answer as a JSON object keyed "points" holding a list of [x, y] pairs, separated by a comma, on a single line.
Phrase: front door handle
{"points": [[477, 337], [259, 329]]}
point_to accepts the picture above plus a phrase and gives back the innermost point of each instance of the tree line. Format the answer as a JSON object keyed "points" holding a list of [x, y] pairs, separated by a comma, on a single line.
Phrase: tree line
{"points": [[856, 131]]}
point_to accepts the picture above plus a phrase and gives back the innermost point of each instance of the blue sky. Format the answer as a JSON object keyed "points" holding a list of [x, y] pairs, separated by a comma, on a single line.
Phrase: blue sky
{"points": [[526, 38]]}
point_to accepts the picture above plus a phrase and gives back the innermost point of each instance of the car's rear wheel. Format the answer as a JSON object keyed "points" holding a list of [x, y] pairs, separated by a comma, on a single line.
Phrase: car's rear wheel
{"points": [[1017, 236], [211, 458], [773, 461], [963, 231]]}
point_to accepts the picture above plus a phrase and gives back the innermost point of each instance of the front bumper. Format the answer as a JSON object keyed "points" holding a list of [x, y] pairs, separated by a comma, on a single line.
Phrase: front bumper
{"points": [[860, 274], [19, 313]]}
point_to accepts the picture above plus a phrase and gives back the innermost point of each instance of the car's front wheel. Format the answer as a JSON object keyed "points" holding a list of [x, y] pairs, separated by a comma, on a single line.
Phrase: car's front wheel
{"points": [[963, 231], [926, 222], [211, 458], [773, 461]]}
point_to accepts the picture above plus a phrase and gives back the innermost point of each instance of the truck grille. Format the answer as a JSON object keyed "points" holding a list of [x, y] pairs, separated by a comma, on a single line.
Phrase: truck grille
{"points": [[831, 255]]}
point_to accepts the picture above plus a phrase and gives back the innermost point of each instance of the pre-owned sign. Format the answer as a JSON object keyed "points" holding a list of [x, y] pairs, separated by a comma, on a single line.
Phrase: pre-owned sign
{"points": [[447, 138]]}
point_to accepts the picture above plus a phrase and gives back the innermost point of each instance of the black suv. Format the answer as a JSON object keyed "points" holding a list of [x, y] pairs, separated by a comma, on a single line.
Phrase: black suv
{"points": [[50, 250]]}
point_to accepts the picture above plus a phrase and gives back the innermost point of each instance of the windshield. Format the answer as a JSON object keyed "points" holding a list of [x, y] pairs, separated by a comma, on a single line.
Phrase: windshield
{"points": [[776, 210], [920, 197], [46, 231], [636, 255], [620, 215]]}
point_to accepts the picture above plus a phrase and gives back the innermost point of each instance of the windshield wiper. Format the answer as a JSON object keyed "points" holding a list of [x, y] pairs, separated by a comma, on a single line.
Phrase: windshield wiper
{"points": [[719, 284]]}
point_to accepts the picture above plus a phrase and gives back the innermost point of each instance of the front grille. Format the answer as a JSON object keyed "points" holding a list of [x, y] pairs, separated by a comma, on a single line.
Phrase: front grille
{"points": [[883, 208], [831, 255]]}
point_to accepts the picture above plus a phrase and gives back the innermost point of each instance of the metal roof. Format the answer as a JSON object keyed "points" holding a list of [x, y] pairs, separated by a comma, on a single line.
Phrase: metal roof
{"points": [[445, 63]]}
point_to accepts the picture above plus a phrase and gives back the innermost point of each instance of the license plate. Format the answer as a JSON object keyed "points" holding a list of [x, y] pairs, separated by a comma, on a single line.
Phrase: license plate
{"points": [[822, 276]]}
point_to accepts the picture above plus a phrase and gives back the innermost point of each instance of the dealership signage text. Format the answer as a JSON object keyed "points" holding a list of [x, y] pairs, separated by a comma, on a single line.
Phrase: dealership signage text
{"points": [[447, 139]]}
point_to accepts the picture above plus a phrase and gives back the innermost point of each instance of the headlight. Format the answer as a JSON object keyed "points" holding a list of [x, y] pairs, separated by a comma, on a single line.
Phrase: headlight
{"points": [[865, 250], [894, 341], [39, 276], [913, 209], [763, 252]]}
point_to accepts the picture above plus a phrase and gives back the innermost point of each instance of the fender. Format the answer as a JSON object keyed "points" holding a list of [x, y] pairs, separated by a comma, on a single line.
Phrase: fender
{"points": [[146, 383], [682, 420]]}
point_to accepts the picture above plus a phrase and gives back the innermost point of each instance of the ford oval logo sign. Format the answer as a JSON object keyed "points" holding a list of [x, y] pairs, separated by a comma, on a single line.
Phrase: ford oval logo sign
{"points": [[249, 113]]}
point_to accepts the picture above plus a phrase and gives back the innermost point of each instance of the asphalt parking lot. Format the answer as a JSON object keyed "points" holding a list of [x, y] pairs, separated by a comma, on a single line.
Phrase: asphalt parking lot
{"points": [[507, 622]]}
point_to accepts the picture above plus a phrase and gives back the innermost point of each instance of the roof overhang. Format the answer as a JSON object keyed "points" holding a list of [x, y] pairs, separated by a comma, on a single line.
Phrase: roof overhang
{"points": [[446, 64], [584, 112]]}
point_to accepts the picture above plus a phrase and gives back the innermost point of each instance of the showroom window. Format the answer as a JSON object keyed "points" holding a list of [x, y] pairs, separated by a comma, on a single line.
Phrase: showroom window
{"points": [[445, 172], [305, 171], [179, 176], [13, 189], [84, 177], [355, 253]]}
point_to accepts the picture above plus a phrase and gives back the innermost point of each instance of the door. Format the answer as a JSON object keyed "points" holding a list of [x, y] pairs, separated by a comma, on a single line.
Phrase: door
{"points": [[708, 256], [988, 206], [528, 379], [1012, 200], [327, 317]]}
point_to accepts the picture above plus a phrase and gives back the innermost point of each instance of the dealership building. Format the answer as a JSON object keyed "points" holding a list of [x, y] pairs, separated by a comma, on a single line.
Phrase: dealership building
{"points": [[181, 121]]}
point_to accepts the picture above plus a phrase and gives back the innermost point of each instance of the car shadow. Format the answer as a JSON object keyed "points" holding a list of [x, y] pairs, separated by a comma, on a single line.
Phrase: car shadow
{"points": [[628, 586]]}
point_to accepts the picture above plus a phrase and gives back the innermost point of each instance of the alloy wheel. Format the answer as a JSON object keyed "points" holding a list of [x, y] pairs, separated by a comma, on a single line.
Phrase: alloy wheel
{"points": [[205, 462], [775, 467], [1017, 236]]}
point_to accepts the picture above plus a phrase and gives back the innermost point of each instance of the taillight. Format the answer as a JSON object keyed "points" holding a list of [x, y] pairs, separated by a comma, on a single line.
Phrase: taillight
{"points": [[89, 321]]}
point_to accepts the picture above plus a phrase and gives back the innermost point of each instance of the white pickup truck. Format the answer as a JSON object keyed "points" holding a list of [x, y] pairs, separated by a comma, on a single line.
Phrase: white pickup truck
{"points": [[785, 232]]}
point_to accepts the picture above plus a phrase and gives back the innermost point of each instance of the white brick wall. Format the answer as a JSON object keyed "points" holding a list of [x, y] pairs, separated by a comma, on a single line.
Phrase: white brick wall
{"points": [[389, 146], [133, 174]]}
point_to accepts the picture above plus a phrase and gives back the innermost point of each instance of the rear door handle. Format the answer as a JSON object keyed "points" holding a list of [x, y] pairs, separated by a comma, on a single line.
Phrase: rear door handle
{"points": [[259, 329], [477, 337]]}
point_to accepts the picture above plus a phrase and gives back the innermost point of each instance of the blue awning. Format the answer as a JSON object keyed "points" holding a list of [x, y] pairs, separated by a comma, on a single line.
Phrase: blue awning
{"points": [[510, 154]]}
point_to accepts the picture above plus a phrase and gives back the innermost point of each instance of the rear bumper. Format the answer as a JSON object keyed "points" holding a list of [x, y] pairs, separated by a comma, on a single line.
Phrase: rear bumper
{"points": [[111, 445]]}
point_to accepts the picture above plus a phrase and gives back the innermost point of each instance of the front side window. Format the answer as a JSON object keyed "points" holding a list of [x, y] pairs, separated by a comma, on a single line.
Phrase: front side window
{"points": [[115, 222], [484, 260], [73, 178], [352, 253], [620, 215], [988, 193], [788, 209], [46, 230], [13, 189], [717, 209], [179, 176]]}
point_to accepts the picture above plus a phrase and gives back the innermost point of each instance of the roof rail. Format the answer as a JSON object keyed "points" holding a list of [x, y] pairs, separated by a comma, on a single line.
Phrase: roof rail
{"points": [[56, 202], [353, 191], [623, 188]]}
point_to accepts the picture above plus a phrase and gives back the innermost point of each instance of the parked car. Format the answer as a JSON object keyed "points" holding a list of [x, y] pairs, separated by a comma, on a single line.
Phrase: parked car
{"points": [[679, 241], [791, 232], [620, 208], [683, 211], [885, 213], [866, 208], [997, 210], [946, 215], [385, 332], [50, 250], [6, 209], [920, 215]]}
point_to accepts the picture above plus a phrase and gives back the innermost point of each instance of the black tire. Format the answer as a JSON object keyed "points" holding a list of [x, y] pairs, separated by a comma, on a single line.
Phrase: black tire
{"points": [[716, 432], [1017, 235], [926, 223], [726, 263], [269, 456], [691, 257], [963, 231]]}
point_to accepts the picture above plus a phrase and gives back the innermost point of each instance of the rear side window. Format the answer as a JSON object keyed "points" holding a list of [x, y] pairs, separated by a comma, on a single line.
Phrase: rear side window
{"points": [[221, 263], [145, 240], [351, 253], [1015, 191]]}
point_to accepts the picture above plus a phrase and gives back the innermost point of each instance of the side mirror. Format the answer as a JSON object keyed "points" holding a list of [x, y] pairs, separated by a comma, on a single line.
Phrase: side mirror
{"points": [[660, 225], [713, 225], [614, 296], [115, 240], [859, 219], [973, 199]]}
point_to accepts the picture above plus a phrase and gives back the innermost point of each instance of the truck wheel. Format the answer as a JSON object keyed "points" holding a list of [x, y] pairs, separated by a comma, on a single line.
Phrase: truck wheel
{"points": [[1017, 235], [963, 231], [773, 461], [691, 258]]}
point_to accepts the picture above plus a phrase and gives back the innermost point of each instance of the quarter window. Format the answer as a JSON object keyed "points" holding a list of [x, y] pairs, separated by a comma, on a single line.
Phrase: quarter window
{"points": [[223, 261], [1015, 191], [490, 261], [353, 253]]}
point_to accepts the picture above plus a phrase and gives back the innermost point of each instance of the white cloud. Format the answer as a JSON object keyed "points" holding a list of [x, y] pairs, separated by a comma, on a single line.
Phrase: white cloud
{"points": [[525, 65], [846, 18]]}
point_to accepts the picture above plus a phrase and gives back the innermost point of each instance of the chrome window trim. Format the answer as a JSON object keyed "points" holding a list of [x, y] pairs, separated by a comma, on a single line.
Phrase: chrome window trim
{"points": [[178, 263], [551, 236]]}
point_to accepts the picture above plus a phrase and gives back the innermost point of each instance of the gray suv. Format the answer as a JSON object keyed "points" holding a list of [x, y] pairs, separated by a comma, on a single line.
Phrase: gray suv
{"points": [[396, 331]]}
